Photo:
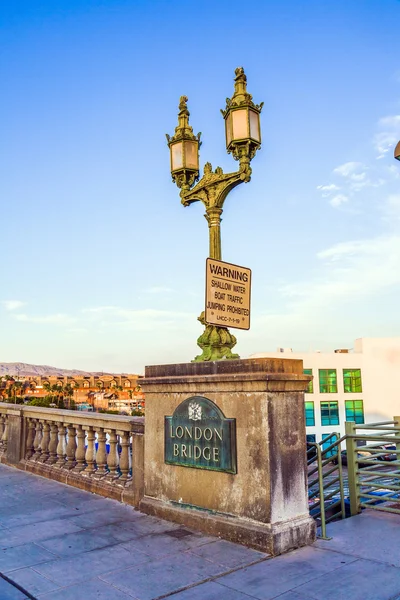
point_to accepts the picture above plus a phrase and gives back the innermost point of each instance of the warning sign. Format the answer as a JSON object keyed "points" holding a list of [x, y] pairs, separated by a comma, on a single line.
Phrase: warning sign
{"points": [[227, 294]]}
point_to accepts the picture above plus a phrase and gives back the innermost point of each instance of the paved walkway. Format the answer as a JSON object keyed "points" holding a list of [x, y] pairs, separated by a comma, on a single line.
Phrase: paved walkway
{"points": [[60, 543]]}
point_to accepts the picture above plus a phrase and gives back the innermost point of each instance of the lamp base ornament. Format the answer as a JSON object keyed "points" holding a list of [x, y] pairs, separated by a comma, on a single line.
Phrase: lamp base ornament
{"points": [[216, 343]]}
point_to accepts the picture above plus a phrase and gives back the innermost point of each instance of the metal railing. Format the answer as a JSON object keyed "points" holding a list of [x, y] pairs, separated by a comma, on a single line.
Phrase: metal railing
{"points": [[325, 481], [373, 469], [372, 455]]}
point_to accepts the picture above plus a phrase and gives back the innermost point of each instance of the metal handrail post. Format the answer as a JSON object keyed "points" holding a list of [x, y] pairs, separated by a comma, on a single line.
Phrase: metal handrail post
{"points": [[340, 473], [353, 480], [397, 423], [321, 493]]}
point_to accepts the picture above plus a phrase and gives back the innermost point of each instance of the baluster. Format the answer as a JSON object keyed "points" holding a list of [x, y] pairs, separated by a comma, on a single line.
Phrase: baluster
{"points": [[61, 446], [80, 450], [137, 482], [90, 455], [113, 458], [4, 437], [37, 440], [101, 456], [71, 447], [44, 446], [2, 420], [53, 444], [124, 459], [29, 439]]}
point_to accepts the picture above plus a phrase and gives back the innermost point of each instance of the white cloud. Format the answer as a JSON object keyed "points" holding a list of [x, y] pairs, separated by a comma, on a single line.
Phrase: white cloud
{"points": [[354, 179], [338, 200], [352, 170], [57, 319], [328, 190], [385, 141], [349, 271], [13, 304]]}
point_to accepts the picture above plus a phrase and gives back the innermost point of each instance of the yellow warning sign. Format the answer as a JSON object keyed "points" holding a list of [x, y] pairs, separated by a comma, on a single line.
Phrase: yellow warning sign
{"points": [[227, 294]]}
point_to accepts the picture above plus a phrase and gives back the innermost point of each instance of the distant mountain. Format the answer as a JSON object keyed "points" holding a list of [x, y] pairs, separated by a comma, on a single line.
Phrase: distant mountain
{"points": [[26, 370]]}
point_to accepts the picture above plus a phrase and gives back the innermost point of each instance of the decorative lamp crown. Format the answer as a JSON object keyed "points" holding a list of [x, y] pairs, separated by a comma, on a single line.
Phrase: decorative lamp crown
{"points": [[242, 120], [184, 149], [397, 151]]}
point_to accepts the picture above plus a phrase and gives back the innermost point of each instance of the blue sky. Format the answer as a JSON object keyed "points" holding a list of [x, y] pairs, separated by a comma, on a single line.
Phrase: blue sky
{"points": [[102, 267]]}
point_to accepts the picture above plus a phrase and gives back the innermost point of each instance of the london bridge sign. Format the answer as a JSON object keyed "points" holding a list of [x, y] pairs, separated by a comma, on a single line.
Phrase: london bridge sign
{"points": [[198, 435]]}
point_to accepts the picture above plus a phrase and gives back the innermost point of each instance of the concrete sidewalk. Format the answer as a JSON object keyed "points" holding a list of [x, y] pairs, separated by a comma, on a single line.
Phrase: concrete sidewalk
{"points": [[60, 543]]}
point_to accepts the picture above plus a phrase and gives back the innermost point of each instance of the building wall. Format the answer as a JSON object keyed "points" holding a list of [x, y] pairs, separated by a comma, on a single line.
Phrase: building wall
{"points": [[379, 362], [94, 390]]}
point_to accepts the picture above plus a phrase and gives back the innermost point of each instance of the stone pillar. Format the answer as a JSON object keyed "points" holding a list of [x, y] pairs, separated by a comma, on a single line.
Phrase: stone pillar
{"points": [[265, 503]]}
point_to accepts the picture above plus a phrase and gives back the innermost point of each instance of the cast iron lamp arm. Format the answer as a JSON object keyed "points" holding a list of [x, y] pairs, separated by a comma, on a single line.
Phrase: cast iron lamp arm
{"points": [[213, 187], [212, 191]]}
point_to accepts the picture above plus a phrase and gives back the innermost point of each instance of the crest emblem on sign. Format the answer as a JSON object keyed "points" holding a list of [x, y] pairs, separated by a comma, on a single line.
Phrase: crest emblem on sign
{"points": [[194, 411]]}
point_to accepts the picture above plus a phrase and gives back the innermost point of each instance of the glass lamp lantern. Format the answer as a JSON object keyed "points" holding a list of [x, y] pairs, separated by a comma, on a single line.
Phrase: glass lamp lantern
{"points": [[184, 149], [242, 120], [242, 125], [397, 151], [184, 155]]}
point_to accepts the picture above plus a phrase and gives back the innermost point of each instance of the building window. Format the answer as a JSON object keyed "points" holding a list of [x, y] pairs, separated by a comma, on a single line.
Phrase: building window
{"points": [[127, 383], [355, 411], [327, 381], [329, 413], [310, 416], [311, 438], [352, 380], [310, 388], [332, 439]]}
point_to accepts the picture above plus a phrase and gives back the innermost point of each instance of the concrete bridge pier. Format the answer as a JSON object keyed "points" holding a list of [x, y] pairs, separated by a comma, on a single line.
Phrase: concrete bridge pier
{"points": [[246, 481]]}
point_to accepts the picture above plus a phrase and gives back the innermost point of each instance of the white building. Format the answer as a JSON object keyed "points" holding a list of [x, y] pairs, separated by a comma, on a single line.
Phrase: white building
{"points": [[360, 384]]}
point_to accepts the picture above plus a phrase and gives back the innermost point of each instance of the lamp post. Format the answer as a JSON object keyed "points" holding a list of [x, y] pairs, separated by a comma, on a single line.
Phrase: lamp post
{"points": [[243, 139], [397, 151]]}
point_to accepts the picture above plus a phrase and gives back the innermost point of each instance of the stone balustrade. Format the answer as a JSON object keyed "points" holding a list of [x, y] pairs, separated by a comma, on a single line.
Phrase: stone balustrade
{"points": [[100, 453]]}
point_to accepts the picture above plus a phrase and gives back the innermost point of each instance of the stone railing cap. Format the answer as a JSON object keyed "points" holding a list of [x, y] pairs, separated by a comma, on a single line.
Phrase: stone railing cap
{"points": [[226, 367]]}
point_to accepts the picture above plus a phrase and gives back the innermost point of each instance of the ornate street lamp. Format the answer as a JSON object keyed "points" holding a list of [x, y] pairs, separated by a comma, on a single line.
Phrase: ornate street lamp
{"points": [[243, 139], [397, 151]]}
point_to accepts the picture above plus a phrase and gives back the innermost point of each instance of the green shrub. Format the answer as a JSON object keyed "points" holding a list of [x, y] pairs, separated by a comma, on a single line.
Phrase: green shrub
{"points": [[44, 402]]}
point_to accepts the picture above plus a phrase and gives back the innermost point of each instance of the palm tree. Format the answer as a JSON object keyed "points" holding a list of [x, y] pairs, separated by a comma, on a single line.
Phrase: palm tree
{"points": [[69, 392], [55, 393], [17, 386], [60, 393], [76, 388]]}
